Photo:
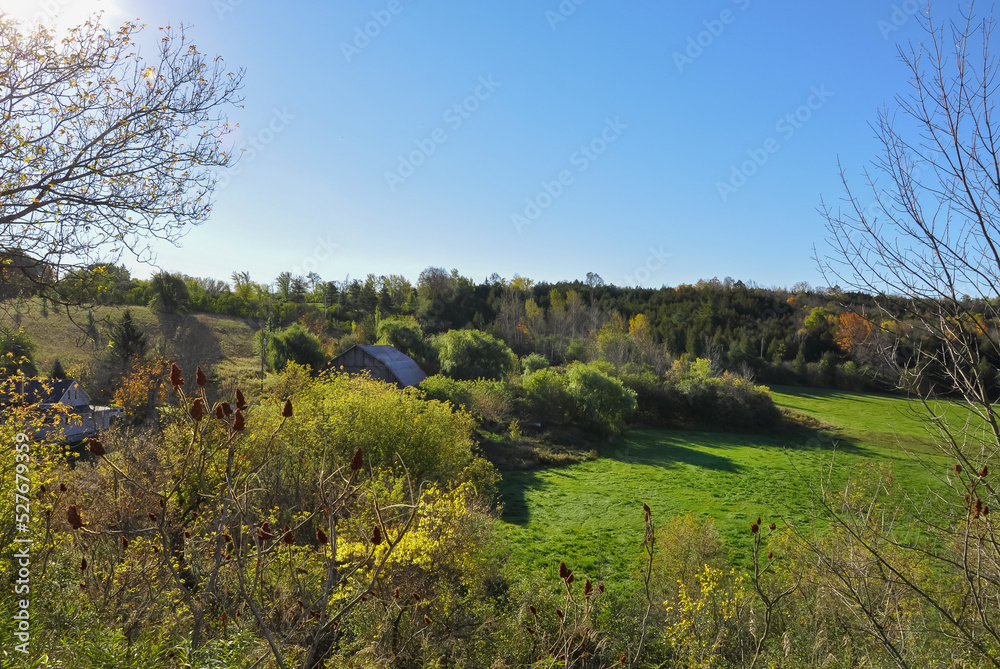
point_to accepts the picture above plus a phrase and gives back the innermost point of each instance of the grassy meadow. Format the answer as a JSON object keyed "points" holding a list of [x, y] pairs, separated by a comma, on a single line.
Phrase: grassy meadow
{"points": [[590, 514]]}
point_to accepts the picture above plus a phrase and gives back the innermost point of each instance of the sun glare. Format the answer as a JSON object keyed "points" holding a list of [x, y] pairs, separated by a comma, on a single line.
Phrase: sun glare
{"points": [[57, 14]]}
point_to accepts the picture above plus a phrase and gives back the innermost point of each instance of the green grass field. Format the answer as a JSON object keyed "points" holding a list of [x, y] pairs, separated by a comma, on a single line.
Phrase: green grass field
{"points": [[591, 516]]}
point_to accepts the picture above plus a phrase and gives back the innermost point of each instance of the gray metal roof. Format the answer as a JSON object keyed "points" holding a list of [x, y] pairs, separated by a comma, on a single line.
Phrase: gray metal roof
{"points": [[403, 366]]}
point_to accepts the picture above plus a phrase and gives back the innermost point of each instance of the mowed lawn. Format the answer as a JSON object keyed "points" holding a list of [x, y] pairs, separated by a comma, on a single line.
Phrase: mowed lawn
{"points": [[590, 515]]}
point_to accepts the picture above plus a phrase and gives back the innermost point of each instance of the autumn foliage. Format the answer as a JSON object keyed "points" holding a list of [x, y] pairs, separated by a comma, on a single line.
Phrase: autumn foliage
{"points": [[853, 330]]}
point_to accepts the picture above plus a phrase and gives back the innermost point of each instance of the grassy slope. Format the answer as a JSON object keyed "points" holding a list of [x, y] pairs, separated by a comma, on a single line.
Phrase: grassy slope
{"points": [[590, 514], [222, 343]]}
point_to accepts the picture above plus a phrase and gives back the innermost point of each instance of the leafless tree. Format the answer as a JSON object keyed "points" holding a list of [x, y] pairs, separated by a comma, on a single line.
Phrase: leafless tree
{"points": [[922, 234]]}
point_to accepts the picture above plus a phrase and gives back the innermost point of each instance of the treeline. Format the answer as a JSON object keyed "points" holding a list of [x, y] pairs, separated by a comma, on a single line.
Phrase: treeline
{"points": [[774, 335]]}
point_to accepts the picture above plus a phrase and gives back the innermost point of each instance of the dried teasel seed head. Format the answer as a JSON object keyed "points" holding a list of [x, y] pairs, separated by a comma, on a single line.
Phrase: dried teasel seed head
{"points": [[427, 621], [199, 377], [534, 611], [288, 537], [42, 489], [219, 413], [772, 527], [758, 521], [560, 613], [124, 544], [62, 487], [228, 539], [600, 588], [83, 564], [163, 503], [986, 510], [569, 579], [74, 518], [529, 629], [588, 588], [286, 412], [416, 597], [564, 571], [958, 469], [770, 556], [376, 535], [321, 536], [227, 408], [187, 534], [239, 423], [645, 507], [754, 528], [198, 409], [264, 533], [984, 471], [358, 460], [175, 376], [241, 402], [96, 447], [395, 594]]}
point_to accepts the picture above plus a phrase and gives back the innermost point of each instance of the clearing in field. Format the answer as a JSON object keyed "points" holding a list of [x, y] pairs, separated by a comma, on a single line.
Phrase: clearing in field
{"points": [[590, 514]]}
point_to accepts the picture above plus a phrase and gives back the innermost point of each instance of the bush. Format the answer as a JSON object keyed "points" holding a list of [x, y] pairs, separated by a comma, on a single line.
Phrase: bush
{"points": [[727, 401], [534, 362], [487, 400], [17, 352], [295, 344], [600, 403], [547, 392], [472, 354]]}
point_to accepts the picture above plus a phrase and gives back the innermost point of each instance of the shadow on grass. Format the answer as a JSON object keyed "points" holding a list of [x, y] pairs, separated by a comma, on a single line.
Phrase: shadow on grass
{"points": [[664, 449]]}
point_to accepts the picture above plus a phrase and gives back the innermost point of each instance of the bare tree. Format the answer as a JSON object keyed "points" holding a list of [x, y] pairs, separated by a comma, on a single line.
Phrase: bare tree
{"points": [[922, 234], [102, 150]]}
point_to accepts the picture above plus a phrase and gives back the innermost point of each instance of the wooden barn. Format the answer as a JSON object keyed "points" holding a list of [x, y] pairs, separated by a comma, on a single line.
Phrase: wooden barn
{"points": [[380, 362]]}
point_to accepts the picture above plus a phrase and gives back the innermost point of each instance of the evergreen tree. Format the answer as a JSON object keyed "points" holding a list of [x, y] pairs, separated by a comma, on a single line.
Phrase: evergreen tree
{"points": [[128, 341]]}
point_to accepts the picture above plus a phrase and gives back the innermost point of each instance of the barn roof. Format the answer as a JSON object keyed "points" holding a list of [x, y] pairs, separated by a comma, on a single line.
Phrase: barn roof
{"points": [[33, 391], [401, 365]]}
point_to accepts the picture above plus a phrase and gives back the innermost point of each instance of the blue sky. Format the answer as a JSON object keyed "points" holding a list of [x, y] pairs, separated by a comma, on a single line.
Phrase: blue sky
{"points": [[587, 137]]}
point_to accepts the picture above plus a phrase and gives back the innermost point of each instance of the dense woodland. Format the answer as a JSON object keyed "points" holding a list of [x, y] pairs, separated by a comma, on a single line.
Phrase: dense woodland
{"points": [[775, 335]]}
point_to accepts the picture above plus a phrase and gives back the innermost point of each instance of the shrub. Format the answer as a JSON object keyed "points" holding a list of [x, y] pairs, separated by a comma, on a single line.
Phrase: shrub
{"points": [[534, 362], [727, 401], [295, 344], [472, 354], [488, 400], [600, 403], [17, 352], [547, 392]]}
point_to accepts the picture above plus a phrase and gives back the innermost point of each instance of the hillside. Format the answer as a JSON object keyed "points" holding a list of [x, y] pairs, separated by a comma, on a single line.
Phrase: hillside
{"points": [[222, 345]]}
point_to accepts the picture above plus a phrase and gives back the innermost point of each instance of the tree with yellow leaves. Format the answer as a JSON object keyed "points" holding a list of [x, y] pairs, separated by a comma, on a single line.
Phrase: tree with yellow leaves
{"points": [[104, 150]]}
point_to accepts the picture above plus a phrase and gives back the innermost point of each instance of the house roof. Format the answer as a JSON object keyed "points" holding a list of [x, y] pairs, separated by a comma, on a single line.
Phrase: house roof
{"points": [[401, 365], [33, 391]]}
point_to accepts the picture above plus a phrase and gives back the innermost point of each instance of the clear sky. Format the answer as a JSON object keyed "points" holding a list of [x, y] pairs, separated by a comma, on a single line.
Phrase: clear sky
{"points": [[541, 138]]}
